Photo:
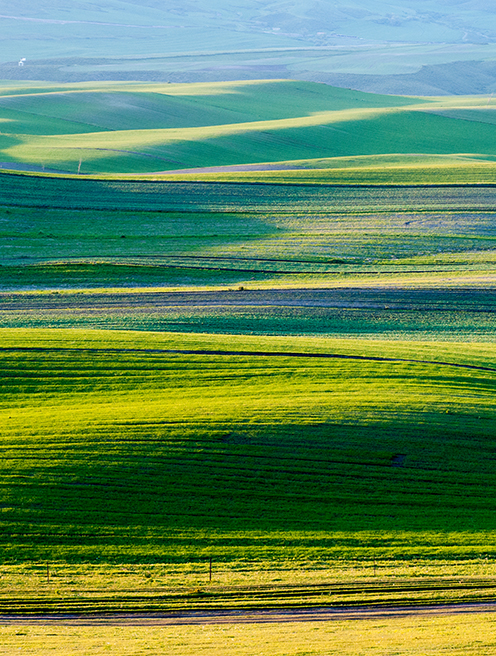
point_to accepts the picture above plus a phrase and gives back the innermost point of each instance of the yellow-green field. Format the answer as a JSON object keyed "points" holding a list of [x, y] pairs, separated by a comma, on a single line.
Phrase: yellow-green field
{"points": [[155, 447], [287, 374], [467, 635]]}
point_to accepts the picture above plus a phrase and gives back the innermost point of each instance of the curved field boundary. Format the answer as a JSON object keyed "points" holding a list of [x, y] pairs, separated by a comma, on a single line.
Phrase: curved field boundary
{"points": [[267, 354], [322, 614], [21, 170], [285, 272]]}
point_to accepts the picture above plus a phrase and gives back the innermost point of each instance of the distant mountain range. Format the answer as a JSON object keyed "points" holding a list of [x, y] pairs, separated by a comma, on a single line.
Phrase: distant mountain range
{"points": [[373, 45]]}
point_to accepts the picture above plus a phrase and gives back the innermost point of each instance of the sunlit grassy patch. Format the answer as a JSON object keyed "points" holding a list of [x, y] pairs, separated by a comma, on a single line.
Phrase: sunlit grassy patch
{"points": [[470, 635], [118, 446], [142, 128]]}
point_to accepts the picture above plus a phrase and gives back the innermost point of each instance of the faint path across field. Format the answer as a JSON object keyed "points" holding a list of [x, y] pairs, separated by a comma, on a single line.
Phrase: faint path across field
{"points": [[14, 166], [323, 614], [276, 166]]}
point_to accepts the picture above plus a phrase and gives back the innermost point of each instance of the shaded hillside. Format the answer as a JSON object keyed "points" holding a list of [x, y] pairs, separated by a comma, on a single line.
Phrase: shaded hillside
{"points": [[125, 128], [456, 78]]}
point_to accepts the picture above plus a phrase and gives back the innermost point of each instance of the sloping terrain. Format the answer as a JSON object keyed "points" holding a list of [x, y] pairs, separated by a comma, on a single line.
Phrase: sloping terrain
{"points": [[149, 447], [284, 370], [124, 128]]}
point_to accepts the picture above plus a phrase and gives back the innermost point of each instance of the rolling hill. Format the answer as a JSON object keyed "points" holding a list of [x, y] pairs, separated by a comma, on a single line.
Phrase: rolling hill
{"points": [[156, 411], [288, 369], [124, 128]]}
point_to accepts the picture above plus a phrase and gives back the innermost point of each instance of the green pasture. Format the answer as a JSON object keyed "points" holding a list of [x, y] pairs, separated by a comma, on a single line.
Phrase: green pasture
{"points": [[63, 233], [97, 128], [359, 133], [119, 106], [117, 447], [144, 434]]}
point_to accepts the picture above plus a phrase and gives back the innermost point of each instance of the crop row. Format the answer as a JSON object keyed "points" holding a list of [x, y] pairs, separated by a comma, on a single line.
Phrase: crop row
{"points": [[452, 324], [117, 454], [67, 193]]}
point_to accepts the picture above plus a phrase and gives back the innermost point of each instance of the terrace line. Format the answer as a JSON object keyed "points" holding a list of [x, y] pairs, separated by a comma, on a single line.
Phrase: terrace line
{"points": [[269, 354]]}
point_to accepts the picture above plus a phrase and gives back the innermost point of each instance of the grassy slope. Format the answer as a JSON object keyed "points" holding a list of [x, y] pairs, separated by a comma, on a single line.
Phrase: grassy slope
{"points": [[118, 106], [146, 456], [168, 121], [145, 128]]}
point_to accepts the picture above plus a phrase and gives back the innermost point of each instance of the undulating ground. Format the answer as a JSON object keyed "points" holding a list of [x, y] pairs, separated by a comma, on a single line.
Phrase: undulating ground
{"points": [[143, 128], [290, 372], [196, 443]]}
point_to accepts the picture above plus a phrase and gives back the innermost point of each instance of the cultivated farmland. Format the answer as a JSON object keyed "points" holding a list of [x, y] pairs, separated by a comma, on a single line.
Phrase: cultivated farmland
{"points": [[290, 372]]}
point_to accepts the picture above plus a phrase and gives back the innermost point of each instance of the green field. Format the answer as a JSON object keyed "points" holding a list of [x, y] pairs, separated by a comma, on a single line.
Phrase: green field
{"points": [[247, 328], [76, 233], [119, 446], [98, 128], [289, 370], [132, 458], [119, 452]]}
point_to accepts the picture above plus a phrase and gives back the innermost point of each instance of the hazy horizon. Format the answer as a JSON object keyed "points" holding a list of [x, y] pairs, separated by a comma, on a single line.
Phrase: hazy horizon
{"points": [[373, 46]]}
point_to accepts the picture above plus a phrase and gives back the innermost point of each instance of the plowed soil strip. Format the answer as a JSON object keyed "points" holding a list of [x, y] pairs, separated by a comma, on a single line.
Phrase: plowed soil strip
{"points": [[266, 354], [323, 614]]}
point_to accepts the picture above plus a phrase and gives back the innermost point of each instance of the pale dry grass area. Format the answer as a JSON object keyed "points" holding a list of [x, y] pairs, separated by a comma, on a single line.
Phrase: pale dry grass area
{"points": [[470, 635]]}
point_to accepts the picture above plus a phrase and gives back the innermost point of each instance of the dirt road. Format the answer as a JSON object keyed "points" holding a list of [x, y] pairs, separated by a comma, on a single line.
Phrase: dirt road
{"points": [[323, 614]]}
